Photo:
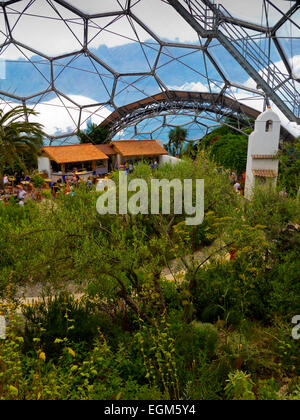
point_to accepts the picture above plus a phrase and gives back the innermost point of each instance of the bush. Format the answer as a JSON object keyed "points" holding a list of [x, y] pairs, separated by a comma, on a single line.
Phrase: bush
{"points": [[60, 317], [196, 339], [38, 181]]}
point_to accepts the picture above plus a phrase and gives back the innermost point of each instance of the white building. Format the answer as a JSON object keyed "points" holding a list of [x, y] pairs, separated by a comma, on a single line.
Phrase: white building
{"points": [[262, 160]]}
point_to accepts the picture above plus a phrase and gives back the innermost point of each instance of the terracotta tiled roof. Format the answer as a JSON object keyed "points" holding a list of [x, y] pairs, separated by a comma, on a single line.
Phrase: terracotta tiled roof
{"points": [[74, 153], [267, 173], [106, 149], [264, 157], [128, 148]]}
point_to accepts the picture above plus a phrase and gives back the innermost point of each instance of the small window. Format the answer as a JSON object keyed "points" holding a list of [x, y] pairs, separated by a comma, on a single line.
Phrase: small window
{"points": [[269, 126]]}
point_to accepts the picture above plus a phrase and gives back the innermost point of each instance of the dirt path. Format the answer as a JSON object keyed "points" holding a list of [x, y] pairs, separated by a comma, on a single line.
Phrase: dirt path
{"points": [[175, 271]]}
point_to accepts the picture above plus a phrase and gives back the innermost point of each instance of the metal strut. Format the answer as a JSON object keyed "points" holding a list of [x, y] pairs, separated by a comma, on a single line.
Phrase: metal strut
{"points": [[281, 91]]}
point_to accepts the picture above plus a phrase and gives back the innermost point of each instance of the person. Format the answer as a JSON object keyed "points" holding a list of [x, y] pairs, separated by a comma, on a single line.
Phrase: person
{"points": [[126, 167], [73, 179], [237, 186], [231, 179], [18, 179], [15, 183], [155, 165], [130, 167], [22, 194], [5, 181], [89, 183], [55, 188], [67, 189]]}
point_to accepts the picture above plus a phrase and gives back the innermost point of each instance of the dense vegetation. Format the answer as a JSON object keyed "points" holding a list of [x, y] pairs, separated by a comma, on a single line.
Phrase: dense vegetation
{"points": [[177, 139], [228, 148], [20, 140], [221, 330], [94, 134]]}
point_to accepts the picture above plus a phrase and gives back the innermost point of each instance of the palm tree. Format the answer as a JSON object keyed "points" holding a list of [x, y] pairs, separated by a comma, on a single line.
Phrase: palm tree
{"points": [[20, 140], [94, 134], [191, 149], [177, 137]]}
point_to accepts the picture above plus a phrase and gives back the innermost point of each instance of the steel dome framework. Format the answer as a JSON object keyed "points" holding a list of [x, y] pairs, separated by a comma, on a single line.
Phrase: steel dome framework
{"points": [[63, 46]]}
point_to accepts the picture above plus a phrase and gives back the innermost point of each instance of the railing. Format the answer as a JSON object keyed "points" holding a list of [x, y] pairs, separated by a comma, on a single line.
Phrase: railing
{"points": [[212, 19]]}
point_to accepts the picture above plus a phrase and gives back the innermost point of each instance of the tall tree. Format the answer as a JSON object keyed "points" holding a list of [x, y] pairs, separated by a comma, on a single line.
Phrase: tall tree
{"points": [[20, 140], [227, 147], [289, 166], [177, 137], [94, 134]]}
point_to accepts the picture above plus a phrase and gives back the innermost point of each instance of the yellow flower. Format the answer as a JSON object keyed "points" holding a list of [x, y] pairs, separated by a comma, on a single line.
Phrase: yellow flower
{"points": [[118, 396], [42, 356], [13, 390], [71, 352]]}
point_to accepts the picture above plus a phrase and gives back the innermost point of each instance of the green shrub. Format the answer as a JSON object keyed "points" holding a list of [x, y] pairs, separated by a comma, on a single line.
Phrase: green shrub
{"points": [[57, 318], [239, 387], [38, 181], [195, 339]]}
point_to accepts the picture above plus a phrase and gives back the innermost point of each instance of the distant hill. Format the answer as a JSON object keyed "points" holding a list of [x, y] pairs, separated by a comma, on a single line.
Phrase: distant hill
{"points": [[23, 79]]}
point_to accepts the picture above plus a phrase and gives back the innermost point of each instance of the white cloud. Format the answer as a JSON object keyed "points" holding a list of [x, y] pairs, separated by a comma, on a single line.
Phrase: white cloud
{"points": [[253, 11], [190, 87], [294, 62], [258, 104], [41, 28], [245, 98], [61, 116], [294, 128]]}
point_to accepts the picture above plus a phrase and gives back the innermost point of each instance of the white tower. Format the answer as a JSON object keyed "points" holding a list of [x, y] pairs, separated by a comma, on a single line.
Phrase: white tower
{"points": [[262, 161]]}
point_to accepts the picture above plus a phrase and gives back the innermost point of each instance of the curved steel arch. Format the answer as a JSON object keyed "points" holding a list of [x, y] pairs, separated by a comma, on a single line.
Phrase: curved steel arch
{"points": [[175, 101], [216, 30]]}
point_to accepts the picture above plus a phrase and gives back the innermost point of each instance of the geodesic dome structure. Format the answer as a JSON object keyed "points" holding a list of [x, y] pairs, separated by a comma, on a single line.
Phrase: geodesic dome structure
{"points": [[75, 61]]}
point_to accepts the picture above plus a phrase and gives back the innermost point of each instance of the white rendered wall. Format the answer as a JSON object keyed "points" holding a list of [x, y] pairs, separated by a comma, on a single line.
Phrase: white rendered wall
{"points": [[44, 165], [168, 159], [264, 141]]}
